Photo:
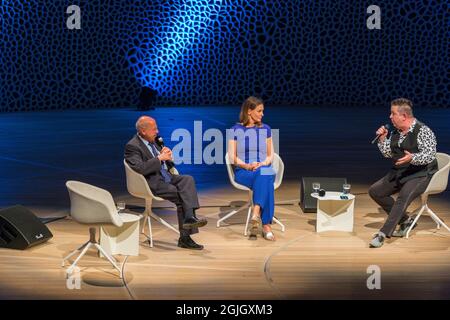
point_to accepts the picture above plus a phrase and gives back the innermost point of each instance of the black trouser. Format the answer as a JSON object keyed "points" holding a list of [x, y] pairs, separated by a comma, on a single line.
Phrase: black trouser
{"points": [[182, 192], [381, 192]]}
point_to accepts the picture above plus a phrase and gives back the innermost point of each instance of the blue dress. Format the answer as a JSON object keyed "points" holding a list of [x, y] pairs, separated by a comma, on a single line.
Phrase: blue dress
{"points": [[252, 147]]}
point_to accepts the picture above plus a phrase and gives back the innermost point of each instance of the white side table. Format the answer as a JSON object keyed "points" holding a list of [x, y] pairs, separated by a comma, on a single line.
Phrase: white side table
{"points": [[122, 240], [334, 213]]}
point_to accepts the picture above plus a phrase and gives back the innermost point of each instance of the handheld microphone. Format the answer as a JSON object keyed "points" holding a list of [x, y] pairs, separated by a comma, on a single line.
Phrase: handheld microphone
{"points": [[387, 126], [160, 142]]}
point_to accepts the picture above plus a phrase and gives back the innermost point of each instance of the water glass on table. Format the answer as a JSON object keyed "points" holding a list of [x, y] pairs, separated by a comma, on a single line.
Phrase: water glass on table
{"points": [[120, 206], [316, 187], [346, 188]]}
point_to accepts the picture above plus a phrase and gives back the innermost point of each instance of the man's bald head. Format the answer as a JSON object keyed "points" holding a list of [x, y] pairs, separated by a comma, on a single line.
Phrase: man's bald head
{"points": [[146, 127], [144, 122]]}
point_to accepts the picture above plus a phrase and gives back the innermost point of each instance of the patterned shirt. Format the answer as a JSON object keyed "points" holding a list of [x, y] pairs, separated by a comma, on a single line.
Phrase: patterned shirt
{"points": [[426, 142]]}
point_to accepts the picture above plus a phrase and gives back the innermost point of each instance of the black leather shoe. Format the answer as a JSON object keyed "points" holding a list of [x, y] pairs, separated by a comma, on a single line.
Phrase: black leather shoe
{"points": [[188, 243], [194, 222]]}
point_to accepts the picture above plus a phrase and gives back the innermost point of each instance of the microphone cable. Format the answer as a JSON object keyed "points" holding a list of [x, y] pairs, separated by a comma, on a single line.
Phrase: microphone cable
{"points": [[125, 281]]}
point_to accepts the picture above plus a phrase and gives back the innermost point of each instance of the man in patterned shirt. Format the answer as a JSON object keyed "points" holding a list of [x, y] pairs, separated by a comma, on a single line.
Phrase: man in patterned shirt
{"points": [[412, 147]]}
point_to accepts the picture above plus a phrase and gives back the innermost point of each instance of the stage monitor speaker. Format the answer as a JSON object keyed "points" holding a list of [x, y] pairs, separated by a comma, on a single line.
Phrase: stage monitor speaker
{"points": [[21, 229], [308, 203]]}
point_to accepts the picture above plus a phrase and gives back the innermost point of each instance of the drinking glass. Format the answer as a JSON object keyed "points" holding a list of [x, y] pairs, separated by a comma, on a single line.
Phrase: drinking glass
{"points": [[346, 188], [316, 187], [120, 206]]}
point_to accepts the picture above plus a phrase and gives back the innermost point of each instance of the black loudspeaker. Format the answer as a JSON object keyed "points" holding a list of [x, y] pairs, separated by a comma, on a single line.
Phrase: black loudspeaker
{"points": [[21, 229], [308, 203]]}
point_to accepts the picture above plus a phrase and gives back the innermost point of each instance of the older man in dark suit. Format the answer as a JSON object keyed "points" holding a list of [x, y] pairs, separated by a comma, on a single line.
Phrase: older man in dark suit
{"points": [[155, 163]]}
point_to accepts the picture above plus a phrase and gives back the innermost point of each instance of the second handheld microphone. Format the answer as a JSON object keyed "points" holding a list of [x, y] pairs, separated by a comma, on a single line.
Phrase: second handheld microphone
{"points": [[387, 126]]}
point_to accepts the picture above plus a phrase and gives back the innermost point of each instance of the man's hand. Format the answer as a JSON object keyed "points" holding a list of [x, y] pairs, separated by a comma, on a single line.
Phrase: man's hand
{"points": [[382, 132], [165, 154], [405, 159], [165, 149]]}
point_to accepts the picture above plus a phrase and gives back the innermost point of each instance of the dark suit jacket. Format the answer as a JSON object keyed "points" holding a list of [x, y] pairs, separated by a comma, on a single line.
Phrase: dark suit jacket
{"points": [[142, 161]]}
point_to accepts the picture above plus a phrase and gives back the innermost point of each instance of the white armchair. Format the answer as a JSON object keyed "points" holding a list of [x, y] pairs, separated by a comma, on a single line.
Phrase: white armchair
{"points": [[94, 206], [138, 187], [278, 166], [438, 184]]}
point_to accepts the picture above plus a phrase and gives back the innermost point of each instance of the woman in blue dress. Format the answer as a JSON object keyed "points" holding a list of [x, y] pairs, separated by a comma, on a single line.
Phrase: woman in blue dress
{"points": [[251, 153]]}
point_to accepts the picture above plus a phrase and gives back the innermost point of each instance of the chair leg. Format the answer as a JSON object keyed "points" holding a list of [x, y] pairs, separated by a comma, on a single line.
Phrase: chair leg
{"points": [[437, 219], [73, 253], [109, 258], [433, 216], [282, 225], [148, 221], [148, 211], [149, 214], [164, 222], [70, 269], [150, 237], [144, 222], [232, 213], [92, 242], [248, 220], [415, 220]]}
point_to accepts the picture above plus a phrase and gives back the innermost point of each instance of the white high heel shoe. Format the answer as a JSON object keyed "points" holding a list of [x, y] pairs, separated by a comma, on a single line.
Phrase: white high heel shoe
{"points": [[268, 235]]}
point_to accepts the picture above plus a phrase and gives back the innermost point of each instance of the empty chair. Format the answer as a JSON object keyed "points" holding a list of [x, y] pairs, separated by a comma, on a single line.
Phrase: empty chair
{"points": [[137, 186], [277, 165], [438, 184], [94, 206]]}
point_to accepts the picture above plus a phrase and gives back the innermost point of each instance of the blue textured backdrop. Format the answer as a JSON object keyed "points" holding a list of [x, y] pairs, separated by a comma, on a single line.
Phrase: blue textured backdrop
{"points": [[218, 52]]}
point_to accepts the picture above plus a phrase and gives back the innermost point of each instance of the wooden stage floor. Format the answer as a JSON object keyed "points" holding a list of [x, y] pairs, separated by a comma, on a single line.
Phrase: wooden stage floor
{"points": [[301, 264], [43, 150]]}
